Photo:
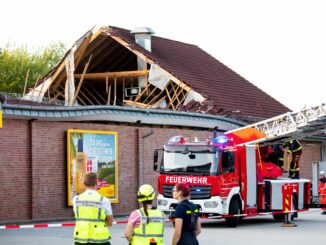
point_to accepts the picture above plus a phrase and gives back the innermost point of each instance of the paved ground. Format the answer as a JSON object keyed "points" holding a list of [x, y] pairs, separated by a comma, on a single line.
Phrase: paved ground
{"points": [[261, 230]]}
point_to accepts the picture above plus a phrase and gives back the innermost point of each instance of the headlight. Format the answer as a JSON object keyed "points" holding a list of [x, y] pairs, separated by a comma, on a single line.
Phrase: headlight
{"points": [[162, 202], [212, 204]]}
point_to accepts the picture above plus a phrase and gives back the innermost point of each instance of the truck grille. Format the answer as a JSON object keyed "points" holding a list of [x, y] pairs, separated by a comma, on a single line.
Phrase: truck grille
{"points": [[196, 192]]}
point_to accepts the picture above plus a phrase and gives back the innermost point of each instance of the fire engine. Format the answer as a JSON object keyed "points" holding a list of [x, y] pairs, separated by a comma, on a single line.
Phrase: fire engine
{"points": [[229, 179]]}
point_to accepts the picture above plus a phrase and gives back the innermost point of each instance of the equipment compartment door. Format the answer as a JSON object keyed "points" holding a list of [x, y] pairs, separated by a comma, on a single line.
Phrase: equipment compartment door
{"points": [[251, 176]]}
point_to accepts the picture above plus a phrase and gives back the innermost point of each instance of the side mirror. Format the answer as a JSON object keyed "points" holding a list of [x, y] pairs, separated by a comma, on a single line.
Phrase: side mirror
{"points": [[155, 166]]}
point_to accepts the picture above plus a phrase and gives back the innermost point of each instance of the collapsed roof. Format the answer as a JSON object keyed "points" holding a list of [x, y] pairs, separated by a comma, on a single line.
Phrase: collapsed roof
{"points": [[113, 66]]}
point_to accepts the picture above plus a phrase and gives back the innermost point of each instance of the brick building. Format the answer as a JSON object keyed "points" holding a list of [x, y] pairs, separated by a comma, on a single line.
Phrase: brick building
{"points": [[113, 87]]}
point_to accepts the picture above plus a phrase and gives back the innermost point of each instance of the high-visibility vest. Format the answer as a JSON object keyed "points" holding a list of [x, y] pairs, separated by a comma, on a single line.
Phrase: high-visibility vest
{"points": [[90, 219], [153, 231]]}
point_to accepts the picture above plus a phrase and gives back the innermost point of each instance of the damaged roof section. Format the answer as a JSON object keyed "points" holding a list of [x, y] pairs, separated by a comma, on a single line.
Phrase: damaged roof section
{"points": [[113, 66]]}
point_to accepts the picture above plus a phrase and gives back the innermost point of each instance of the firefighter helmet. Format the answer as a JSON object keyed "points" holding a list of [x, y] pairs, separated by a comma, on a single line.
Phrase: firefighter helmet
{"points": [[322, 173], [145, 193]]}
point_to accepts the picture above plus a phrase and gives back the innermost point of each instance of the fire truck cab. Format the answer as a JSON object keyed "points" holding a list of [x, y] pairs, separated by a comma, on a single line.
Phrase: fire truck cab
{"points": [[228, 180]]}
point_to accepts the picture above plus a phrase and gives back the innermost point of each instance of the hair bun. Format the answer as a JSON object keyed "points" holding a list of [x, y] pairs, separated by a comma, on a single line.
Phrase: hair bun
{"points": [[186, 188]]}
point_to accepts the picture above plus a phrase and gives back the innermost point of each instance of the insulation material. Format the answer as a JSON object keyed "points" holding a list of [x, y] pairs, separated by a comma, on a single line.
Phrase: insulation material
{"points": [[37, 94], [70, 83], [193, 96], [158, 77]]}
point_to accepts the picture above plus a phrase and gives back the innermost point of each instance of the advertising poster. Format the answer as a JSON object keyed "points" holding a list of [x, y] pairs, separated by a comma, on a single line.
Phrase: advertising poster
{"points": [[93, 151]]}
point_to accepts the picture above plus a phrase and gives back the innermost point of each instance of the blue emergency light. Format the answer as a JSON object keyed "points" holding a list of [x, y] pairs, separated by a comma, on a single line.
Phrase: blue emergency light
{"points": [[220, 140]]}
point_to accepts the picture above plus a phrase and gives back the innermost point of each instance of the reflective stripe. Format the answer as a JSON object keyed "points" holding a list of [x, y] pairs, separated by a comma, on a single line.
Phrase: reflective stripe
{"points": [[154, 228], [100, 208], [189, 211], [298, 149], [149, 235], [77, 214], [143, 223], [153, 219], [89, 204], [90, 220], [92, 240]]}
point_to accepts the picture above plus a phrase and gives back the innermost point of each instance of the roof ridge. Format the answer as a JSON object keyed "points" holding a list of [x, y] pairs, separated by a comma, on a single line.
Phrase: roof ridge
{"points": [[155, 36]]}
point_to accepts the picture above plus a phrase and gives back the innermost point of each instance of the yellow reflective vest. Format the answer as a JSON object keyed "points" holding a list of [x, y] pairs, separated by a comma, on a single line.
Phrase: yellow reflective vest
{"points": [[153, 231], [90, 219]]}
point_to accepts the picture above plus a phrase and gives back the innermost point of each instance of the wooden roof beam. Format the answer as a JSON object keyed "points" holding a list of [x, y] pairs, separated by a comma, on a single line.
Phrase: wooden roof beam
{"points": [[104, 75], [150, 61]]}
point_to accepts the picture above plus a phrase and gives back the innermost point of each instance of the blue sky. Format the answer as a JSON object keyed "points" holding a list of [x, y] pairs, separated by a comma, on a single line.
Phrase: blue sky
{"points": [[278, 45]]}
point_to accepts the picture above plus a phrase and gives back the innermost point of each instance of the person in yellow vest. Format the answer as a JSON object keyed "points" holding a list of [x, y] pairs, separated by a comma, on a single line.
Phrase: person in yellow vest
{"points": [[145, 225], [93, 215]]}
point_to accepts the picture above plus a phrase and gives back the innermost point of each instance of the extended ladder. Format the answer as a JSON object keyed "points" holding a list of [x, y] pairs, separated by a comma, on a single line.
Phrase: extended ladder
{"points": [[293, 125]]}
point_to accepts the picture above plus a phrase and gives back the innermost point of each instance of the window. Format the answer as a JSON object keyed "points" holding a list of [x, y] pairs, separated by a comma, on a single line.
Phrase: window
{"points": [[227, 160]]}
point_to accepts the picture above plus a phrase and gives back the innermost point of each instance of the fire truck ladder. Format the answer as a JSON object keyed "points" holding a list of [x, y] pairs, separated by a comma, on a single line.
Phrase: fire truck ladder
{"points": [[291, 125]]}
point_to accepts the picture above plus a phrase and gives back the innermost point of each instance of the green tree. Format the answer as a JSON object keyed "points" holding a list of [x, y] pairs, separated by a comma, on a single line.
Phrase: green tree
{"points": [[17, 61]]}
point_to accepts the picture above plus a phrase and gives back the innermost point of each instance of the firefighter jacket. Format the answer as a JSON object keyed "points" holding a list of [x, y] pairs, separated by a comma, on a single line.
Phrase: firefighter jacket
{"points": [[90, 220], [322, 192], [145, 233], [294, 146]]}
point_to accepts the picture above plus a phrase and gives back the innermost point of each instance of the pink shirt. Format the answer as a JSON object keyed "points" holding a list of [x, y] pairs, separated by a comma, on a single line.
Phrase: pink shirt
{"points": [[134, 219]]}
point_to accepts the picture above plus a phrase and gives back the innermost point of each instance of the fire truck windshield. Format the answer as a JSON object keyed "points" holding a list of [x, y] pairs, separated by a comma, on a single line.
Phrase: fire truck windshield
{"points": [[196, 160]]}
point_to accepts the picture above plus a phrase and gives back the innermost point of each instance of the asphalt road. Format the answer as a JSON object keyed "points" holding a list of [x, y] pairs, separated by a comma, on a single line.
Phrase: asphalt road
{"points": [[260, 230]]}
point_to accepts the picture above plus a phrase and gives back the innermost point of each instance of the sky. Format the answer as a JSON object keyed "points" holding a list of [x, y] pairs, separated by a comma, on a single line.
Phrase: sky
{"points": [[278, 45]]}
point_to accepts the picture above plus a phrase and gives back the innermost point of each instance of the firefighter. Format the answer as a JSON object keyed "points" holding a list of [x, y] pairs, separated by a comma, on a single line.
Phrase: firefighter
{"points": [[187, 222], [145, 225], [93, 214], [295, 148], [322, 190]]}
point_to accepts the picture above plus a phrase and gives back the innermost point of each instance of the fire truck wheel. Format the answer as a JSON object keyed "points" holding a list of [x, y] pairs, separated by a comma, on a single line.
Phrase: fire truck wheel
{"points": [[234, 209]]}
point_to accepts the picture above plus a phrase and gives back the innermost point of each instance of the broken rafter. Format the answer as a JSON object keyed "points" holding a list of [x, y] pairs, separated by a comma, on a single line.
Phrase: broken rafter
{"points": [[137, 104], [81, 80], [81, 49], [26, 80], [184, 97], [109, 95], [157, 96], [149, 61], [40, 91], [175, 96], [113, 74], [171, 101], [151, 93], [115, 91], [38, 77]]}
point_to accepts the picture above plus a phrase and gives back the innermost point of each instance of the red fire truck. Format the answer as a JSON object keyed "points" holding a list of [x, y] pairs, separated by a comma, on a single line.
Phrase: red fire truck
{"points": [[228, 177]]}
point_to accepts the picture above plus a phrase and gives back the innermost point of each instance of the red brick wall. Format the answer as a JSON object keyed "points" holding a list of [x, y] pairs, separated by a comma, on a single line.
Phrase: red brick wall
{"points": [[15, 170], [34, 174], [311, 152]]}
